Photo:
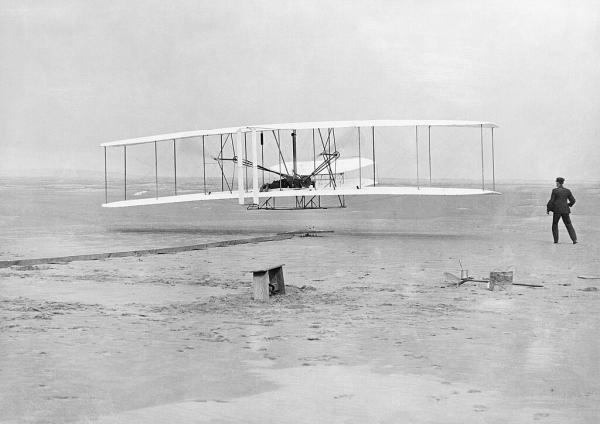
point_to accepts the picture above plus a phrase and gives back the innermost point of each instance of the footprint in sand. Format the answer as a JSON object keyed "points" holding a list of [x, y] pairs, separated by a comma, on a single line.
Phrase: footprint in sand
{"points": [[480, 408], [343, 396], [540, 415]]}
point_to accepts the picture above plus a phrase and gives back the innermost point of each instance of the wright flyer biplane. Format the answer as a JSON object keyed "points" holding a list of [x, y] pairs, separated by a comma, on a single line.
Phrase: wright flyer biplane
{"points": [[309, 161]]}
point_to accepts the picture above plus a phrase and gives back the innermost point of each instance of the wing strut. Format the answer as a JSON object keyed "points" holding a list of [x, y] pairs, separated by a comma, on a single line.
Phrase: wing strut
{"points": [[334, 148], [125, 170], [417, 150], [482, 170], [105, 179], [156, 168], [278, 160], [373, 137], [203, 165], [238, 139], [429, 151], [294, 163], [222, 172], [262, 154], [175, 165], [314, 149], [359, 161], [255, 199], [245, 157], [493, 166]]}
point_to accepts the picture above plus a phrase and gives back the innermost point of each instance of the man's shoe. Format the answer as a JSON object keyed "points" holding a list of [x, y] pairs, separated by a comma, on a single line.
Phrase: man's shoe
{"points": [[575, 242]]}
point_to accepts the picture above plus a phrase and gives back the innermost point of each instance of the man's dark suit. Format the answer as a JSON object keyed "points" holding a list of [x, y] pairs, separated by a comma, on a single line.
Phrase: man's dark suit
{"points": [[560, 203]]}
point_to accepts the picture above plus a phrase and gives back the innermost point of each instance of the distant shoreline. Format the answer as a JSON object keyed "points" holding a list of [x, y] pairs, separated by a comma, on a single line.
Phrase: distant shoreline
{"points": [[92, 178]]}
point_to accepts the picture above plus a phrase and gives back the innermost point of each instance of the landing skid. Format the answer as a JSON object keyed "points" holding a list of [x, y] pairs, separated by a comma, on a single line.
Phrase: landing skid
{"points": [[302, 203]]}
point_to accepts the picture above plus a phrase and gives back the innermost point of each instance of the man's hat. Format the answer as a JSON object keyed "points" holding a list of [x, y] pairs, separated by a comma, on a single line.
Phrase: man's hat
{"points": [[560, 180]]}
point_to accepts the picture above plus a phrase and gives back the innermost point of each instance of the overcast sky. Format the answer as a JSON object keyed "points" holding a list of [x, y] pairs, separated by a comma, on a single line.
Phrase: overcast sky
{"points": [[77, 73]]}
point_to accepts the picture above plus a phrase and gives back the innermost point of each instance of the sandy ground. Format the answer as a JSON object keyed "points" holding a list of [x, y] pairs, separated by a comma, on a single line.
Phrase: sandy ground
{"points": [[369, 331]]}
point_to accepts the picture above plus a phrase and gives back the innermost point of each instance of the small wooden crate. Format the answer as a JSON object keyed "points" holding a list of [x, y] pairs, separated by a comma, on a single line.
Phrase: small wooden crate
{"points": [[268, 281]]}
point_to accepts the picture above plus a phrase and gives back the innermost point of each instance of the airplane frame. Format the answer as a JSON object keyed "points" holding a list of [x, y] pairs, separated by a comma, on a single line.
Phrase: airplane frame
{"points": [[299, 185]]}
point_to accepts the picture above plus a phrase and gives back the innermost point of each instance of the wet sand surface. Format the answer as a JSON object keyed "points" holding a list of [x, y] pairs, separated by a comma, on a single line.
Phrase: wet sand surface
{"points": [[369, 330]]}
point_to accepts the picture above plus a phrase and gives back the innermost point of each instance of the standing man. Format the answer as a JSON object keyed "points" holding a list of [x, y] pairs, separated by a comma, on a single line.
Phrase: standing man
{"points": [[560, 203]]}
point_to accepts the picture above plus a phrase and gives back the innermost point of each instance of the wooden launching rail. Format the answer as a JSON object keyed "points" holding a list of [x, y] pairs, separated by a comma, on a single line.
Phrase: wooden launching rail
{"points": [[160, 251]]}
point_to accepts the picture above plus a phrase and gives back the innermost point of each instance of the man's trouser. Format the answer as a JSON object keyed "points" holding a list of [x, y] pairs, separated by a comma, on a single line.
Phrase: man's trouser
{"points": [[567, 220]]}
